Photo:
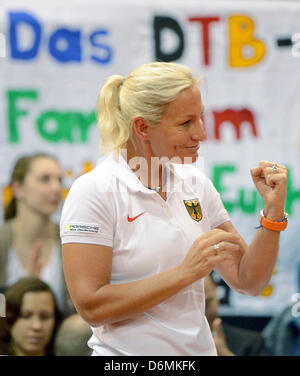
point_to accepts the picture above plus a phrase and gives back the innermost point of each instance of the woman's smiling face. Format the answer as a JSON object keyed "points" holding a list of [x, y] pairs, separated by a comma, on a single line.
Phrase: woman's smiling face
{"points": [[181, 129]]}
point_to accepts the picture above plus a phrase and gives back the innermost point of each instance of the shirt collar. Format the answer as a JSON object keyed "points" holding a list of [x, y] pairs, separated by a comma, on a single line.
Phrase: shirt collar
{"points": [[123, 172], [174, 174]]}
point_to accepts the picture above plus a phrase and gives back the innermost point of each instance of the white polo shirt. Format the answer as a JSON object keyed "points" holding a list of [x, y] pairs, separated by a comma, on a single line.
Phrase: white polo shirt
{"points": [[110, 206]]}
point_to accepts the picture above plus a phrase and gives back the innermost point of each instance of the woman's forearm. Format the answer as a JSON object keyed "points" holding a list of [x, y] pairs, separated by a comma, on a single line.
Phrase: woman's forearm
{"points": [[99, 301], [112, 303], [258, 262]]}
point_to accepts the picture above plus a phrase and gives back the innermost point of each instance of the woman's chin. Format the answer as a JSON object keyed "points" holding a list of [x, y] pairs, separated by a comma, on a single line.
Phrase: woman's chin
{"points": [[189, 159]]}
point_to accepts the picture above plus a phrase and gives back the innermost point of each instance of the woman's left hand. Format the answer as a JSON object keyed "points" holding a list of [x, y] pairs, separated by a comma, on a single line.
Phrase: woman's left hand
{"points": [[271, 184], [37, 262]]}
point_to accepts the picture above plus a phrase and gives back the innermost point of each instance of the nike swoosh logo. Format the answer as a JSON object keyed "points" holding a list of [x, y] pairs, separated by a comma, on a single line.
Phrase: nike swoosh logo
{"points": [[134, 218]]}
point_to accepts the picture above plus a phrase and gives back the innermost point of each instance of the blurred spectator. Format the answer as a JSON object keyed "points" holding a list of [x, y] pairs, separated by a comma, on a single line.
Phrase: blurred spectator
{"points": [[72, 337], [29, 240], [282, 334], [31, 320], [229, 340]]}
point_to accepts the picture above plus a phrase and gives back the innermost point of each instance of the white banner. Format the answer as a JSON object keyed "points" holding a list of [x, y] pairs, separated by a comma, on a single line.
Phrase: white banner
{"points": [[54, 58]]}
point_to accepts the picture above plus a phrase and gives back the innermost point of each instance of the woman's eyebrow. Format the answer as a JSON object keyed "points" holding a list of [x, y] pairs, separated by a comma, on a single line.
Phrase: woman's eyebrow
{"points": [[192, 115]]}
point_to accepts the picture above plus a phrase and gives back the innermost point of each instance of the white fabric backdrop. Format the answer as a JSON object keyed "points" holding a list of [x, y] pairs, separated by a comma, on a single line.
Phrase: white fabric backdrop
{"points": [[55, 56]]}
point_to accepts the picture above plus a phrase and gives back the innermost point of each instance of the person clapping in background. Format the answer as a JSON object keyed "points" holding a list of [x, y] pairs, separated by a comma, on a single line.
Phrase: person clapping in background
{"points": [[29, 240]]}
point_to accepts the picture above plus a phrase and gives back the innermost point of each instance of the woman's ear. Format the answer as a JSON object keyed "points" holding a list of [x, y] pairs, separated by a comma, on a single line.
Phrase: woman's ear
{"points": [[141, 129], [17, 190]]}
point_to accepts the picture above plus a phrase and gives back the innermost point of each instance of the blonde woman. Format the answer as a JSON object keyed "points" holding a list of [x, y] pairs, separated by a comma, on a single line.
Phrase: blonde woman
{"points": [[142, 230]]}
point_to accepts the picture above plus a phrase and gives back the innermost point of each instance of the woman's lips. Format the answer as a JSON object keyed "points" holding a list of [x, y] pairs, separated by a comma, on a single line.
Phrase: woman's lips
{"points": [[193, 148], [35, 340]]}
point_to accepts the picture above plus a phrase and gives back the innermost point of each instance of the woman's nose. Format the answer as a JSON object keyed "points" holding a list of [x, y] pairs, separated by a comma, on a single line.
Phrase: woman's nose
{"points": [[199, 132], [56, 185], [36, 323]]}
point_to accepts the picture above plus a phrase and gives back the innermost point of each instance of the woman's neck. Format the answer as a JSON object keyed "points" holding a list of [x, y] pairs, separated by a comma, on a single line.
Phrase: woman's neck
{"points": [[147, 168], [31, 226]]}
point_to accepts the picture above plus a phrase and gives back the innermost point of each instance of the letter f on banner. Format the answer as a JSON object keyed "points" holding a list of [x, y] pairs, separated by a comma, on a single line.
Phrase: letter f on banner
{"points": [[2, 306], [242, 40]]}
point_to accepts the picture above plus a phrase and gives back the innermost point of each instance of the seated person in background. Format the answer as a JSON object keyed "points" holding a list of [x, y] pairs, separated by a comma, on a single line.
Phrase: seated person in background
{"points": [[72, 337], [29, 240], [31, 320], [229, 340], [282, 333]]}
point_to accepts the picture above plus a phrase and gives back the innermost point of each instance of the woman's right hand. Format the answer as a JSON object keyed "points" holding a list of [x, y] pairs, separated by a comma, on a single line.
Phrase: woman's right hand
{"points": [[203, 256]]}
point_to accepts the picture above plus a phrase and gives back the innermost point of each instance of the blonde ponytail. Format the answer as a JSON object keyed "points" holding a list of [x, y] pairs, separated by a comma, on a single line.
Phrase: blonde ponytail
{"points": [[113, 129]]}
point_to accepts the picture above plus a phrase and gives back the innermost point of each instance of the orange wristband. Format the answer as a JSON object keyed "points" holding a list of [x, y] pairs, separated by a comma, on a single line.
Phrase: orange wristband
{"points": [[274, 225]]}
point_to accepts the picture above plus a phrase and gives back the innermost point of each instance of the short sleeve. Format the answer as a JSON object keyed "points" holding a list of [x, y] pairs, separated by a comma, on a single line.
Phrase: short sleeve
{"points": [[216, 210], [87, 215]]}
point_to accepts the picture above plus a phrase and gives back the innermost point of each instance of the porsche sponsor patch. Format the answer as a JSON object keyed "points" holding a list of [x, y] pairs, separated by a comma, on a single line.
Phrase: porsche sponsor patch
{"points": [[80, 227]]}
